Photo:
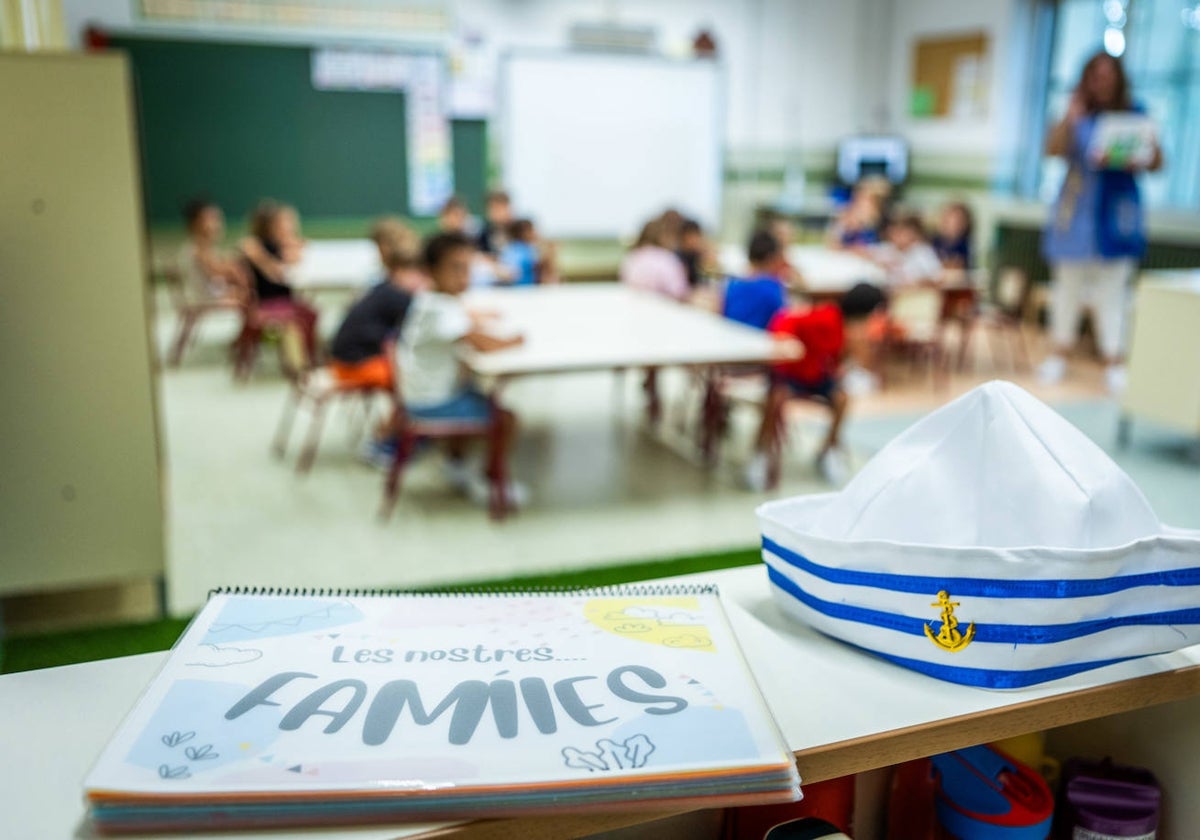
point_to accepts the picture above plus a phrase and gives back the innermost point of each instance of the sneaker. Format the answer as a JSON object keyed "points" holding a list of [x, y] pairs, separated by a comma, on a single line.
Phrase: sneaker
{"points": [[754, 475], [834, 466], [1052, 370], [1115, 379], [378, 453], [459, 475], [479, 491], [858, 382]]}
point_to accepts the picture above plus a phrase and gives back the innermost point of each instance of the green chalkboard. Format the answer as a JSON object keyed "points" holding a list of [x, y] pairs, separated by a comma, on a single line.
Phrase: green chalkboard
{"points": [[469, 138], [238, 122]]}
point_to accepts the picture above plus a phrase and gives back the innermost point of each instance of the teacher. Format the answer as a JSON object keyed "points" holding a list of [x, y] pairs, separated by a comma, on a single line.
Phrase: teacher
{"points": [[1096, 233]]}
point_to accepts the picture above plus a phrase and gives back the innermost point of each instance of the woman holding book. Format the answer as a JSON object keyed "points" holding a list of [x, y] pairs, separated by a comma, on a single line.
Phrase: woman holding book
{"points": [[1096, 233]]}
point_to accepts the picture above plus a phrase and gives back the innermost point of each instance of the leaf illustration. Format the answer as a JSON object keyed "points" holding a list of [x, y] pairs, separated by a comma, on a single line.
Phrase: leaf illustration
{"points": [[200, 753], [166, 771], [176, 738]]}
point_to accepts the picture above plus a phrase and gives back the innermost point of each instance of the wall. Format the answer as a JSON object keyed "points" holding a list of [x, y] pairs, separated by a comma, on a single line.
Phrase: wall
{"points": [[792, 67]]}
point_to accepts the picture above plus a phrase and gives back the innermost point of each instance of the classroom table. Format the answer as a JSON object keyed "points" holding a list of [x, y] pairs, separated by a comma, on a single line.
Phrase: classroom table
{"points": [[607, 326], [826, 272], [336, 265], [841, 710]]}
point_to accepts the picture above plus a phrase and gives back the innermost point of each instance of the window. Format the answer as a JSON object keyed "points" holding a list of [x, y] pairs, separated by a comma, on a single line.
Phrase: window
{"points": [[1159, 44]]}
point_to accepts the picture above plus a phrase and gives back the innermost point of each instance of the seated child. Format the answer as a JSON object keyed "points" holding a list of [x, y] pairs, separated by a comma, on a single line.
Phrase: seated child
{"points": [[651, 266], [520, 257], [498, 217], [858, 226], [783, 231], [273, 246], [357, 347], [454, 217], [435, 387], [207, 275], [952, 241], [694, 251], [906, 256], [819, 334], [755, 300]]}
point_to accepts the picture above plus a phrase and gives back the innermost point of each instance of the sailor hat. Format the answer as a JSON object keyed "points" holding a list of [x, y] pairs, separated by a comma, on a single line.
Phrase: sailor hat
{"points": [[990, 544]]}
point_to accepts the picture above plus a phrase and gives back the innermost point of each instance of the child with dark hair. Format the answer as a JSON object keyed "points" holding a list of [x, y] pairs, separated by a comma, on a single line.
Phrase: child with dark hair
{"points": [[520, 257], [272, 248], [435, 387], [497, 219], [454, 216], [693, 251], [952, 240], [907, 256], [207, 275], [755, 299], [816, 337]]}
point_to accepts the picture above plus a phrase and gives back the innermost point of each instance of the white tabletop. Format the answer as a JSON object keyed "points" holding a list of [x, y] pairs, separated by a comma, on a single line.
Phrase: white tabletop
{"points": [[597, 326], [820, 691], [336, 264], [823, 269]]}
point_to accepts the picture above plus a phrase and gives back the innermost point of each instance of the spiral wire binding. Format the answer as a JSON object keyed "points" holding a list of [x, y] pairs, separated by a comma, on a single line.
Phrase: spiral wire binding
{"points": [[632, 590]]}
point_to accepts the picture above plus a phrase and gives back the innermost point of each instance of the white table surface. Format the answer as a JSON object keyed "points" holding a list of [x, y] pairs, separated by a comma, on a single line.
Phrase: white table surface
{"points": [[823, 269], [598, 326], [821, 692], [336, 264]]}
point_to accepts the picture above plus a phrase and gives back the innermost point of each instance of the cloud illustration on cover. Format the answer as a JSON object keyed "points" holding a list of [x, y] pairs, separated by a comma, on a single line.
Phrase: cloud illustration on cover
{"points": [[261, 618], [215, 656]]}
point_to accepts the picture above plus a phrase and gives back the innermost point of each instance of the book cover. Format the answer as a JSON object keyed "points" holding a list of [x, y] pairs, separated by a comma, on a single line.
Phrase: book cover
{"points": [[337, 706]]}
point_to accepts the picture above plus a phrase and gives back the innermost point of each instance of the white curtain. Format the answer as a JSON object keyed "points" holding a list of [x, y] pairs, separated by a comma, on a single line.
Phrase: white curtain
{"points": [[32, 25]]}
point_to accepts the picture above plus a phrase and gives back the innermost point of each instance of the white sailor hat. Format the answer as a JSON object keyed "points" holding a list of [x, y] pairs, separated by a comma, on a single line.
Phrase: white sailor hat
{"points": [[991, 544]]}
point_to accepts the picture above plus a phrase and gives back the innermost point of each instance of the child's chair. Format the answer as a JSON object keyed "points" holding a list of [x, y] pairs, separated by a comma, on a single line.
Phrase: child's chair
{"points": [[915, 330], [258, 322], [188, 313], [409, 430], [315, 389], [1003, 313]]}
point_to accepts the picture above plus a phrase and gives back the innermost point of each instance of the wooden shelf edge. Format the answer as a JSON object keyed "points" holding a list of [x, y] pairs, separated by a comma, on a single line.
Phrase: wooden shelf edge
{"points": [[843, 758]]}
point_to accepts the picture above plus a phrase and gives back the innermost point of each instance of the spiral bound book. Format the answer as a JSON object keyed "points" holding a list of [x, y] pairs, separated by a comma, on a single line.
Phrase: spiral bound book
{"points": [[301, 708]]}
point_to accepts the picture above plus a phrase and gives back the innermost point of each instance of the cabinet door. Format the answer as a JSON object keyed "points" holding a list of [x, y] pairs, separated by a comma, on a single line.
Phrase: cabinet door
{"points": [[79, 475]]}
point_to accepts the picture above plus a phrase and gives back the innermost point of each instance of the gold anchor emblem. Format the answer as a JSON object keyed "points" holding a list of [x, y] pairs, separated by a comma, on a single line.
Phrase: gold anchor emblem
{"points": [[948, 638]]}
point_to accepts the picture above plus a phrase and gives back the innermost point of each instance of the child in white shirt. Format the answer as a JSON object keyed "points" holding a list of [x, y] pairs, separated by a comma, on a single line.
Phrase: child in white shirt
{"points": [[907, 257], [434, 383]]}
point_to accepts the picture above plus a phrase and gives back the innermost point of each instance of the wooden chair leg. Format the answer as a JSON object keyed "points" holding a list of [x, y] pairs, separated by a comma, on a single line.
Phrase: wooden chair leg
{"points": [[283, 431], [187, 322], [391, 485], [309, 453]]}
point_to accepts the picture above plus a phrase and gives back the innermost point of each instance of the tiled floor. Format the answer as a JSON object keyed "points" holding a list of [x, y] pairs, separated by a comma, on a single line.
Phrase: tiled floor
{"points": [[603, 488]]}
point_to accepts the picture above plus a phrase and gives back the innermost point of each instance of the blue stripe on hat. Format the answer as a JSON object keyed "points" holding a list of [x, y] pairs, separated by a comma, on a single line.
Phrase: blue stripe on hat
{"points": [[1016, 634], [985, 587], [991, 678]]}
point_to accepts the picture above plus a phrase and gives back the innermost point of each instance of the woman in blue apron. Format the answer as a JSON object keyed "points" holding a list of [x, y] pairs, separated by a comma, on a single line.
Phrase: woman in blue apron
{"points": [[1096, 232]]}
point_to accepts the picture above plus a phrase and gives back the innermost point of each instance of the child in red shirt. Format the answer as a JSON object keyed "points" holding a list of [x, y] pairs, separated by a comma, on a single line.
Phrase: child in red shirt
{"points": [[818, 336]]}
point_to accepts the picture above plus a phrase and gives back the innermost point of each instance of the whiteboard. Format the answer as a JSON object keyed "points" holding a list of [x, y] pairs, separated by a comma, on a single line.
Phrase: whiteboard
{"points": [[595, 144]]}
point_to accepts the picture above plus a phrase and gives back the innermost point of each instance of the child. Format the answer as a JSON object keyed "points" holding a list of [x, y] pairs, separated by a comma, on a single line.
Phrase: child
{"points": [[907, 257], [273, 246], [434, 385], [357, 347], [207, 275], [520, 257], [693, 251], [454, 216], [821, 333], [858, 226], [651, 266], [952, 242], [755, 300], [498, 217]]}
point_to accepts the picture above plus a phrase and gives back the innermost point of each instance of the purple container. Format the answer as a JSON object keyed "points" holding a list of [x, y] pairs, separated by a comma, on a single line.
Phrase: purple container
{"points": [[1112, 801]]}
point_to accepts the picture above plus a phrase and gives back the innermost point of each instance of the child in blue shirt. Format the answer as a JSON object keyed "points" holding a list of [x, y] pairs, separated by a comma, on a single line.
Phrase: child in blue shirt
{"points": [[755, 300], [520, 256]]}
